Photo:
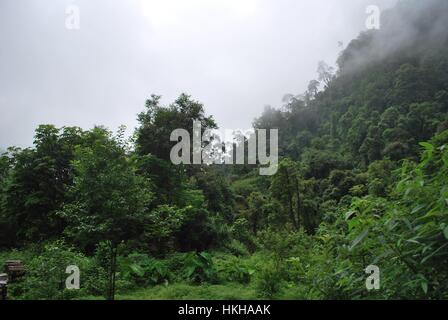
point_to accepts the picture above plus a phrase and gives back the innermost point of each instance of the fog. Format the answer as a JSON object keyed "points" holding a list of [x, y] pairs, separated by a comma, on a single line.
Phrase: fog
{"points": [[413, 28], [235, 56]]}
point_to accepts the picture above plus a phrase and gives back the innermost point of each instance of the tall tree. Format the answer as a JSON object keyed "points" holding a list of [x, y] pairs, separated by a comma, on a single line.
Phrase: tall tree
{"points": [[157, 123], [38, 182]]}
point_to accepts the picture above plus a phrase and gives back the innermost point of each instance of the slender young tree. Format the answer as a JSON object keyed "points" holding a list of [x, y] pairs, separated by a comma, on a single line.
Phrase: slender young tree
{"points": [[108, 198]]}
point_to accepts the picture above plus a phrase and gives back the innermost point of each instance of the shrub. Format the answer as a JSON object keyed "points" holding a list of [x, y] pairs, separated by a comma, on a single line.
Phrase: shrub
{"points": [[269, 280], [143, 270], [233, 269], [46, 274]]}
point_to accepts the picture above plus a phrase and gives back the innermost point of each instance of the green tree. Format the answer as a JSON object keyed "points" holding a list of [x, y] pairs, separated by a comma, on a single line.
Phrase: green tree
{"points": [[256, 203], [108, 199], [157, 123], [37, 184]]}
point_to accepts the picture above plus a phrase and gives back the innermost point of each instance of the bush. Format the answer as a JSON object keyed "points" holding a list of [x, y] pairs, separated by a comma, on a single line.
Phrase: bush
{"points": [[143, 270], [233, 269], [46, 274], [237, 248], [269, 280], [198, 268]]}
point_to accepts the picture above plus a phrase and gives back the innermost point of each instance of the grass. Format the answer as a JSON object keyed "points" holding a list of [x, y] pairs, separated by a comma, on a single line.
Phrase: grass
{"points": [[183, 291]]}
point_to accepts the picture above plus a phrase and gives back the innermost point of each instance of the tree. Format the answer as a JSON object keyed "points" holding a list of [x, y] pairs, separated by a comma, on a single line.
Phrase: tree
{"points": [[160, 228], [256, 203], [108, 199], [200, 230], [216, 191], [325, 72], [157, 123], [284, 187], [313, 88], [287, 187], [169, 181], [37, 183], [7, 235]]}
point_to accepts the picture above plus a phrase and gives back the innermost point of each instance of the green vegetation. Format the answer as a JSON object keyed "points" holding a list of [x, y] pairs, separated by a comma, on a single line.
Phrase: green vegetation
{"points": [[362, 180]]}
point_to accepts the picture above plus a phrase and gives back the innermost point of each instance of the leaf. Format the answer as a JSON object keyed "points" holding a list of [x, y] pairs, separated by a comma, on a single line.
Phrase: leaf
{"points": [[413, 241], [359, 239], [353, 224], [434, 253], [408, 223], [433, 212], [137, 270], [349, 214], [190, 271], [418, 208], [205, 255], [407, 192], [427, 146], [445, 232], [424, 285], [445, 160]]}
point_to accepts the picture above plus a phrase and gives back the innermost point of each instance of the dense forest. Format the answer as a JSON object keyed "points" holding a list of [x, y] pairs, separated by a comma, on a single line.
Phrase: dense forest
{"points": [[362, 180]]}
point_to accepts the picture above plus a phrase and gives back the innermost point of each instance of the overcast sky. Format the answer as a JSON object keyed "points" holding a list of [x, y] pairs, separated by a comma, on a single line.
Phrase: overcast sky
{"points": [[235, 56]]}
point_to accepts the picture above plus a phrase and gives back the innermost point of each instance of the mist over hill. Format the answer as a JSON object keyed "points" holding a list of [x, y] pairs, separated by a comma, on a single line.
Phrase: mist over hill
{"points": [[388, 94], [411, 29]]}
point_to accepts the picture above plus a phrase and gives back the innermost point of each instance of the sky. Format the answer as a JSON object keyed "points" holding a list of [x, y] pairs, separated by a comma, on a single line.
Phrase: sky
{"points": [[234, 56]]}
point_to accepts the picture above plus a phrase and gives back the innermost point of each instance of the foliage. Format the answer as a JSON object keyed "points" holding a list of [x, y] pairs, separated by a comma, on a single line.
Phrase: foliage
{"points": [[144, 270], [269, 282], [46, 273], [233, 269], [199, 268]]}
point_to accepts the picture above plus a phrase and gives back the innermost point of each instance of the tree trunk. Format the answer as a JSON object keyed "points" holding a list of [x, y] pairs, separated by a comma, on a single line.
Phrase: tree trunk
{"points": [[299, 205], [291, 210], [254, 226], [112, 272]]}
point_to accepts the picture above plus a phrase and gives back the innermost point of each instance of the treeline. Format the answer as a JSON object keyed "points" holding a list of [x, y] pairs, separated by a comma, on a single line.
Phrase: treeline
{"points": [[94, 187]]}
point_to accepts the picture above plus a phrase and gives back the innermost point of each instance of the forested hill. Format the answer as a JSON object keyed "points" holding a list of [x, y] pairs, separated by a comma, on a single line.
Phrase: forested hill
{"points": [[362, 182], [349, 146], [388, 94]]}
